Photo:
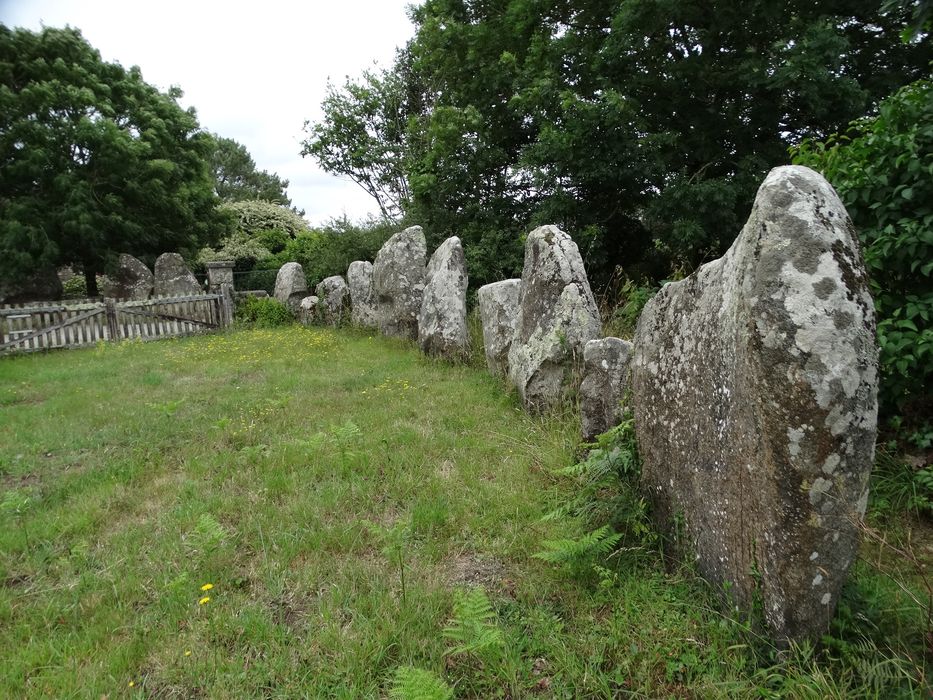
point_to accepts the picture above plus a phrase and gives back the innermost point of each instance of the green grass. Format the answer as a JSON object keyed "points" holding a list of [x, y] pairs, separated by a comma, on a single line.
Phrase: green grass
{"points": [[342, 494]]}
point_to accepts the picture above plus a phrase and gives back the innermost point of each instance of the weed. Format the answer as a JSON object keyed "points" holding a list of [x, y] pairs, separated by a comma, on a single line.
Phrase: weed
{"points": [[472, 628], [265, 312], [411, 683], [207, 535], [607, 497], [394, 540], [898, 486], [579, 553]]}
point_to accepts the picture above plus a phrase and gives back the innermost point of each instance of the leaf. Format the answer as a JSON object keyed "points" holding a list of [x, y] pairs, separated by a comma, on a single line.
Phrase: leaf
{"points": [[472, 626], [410, 683]]}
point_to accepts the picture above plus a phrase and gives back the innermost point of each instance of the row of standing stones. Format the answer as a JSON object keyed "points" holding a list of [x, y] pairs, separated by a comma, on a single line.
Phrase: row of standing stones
{"points": [[753, 381], [133, 280]]}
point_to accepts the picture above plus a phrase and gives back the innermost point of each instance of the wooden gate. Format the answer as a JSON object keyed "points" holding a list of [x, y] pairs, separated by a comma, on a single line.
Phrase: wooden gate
{"points": [[45, 325]]}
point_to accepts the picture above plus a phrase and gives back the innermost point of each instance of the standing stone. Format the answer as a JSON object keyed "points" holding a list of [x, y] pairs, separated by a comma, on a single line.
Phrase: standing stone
{"points": [[291, 286], [398, 282], [132, 280], [755, 385], [362, 296], [334, 300], [557, 315], [173, 278], [498, 310], [219, 273], [606, 380], [442, 327], [308, 310]]}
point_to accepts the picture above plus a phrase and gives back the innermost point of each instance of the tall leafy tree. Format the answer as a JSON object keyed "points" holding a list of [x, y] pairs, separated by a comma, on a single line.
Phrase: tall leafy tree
{"points": [[94, 161], [722, 89], [238, 179], [644, 126], [362, 137], [882, 168]]}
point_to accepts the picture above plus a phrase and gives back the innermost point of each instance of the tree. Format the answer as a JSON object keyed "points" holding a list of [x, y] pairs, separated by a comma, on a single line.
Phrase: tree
{"points": [[237, 178], [259, 229], [94, 161], [643, 127], [882, 168], [362, 137]]}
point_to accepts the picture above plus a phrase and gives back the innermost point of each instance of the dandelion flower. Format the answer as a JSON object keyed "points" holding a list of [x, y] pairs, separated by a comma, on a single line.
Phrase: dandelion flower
{"points": [[187, 652], [207, 586], [205, 599], [131, 684]]}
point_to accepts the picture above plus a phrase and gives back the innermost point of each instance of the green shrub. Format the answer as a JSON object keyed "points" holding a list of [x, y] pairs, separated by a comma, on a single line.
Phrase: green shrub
{"points": [[245, 280], [262, 312], [239, 247], [883, 171], [273, 239], [607, 503], [624, 316], [330, 250], [75, 288]]}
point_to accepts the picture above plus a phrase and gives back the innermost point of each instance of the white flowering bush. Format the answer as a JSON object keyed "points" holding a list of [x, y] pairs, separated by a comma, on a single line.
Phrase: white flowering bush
{"points": [[254, 217]]}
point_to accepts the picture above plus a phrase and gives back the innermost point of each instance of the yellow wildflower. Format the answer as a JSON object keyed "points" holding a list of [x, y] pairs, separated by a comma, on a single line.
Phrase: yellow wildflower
{"points": [[207, 586], [205, 599], [132, 683], [187, 652]]}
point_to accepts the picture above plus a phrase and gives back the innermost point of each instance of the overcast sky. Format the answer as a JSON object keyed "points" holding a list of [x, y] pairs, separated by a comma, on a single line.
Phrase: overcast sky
{"points": [[255, 71]]}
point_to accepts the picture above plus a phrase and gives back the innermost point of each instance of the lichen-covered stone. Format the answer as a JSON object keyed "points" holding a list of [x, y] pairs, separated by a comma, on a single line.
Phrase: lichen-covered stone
{"points": [[755, 383], [362, 296], [291, 286], [398, 282], [334, 300], [606, 380], [131, 280], [308, 310], [498, 310], [557, 316], [442, 328], [173, 278]]}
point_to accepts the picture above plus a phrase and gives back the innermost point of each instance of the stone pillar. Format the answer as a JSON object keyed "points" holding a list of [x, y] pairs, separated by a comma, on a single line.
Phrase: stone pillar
{"points": [[219, 273]]}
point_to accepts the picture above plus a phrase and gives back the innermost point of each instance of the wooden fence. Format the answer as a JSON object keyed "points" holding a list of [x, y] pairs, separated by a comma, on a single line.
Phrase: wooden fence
{"points": [[45, 325]]}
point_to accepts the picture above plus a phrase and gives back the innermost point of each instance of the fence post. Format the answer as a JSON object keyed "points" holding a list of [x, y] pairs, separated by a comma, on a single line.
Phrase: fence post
{"points": [[111, 312], [226, 304]]}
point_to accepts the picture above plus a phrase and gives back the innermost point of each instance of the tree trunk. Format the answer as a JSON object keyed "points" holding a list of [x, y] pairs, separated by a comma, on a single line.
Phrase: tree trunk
{"points": [[90, 281]]}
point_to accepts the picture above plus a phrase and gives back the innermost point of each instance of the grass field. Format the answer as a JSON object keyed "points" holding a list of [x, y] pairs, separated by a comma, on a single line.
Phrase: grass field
{"points": [[302, 513]]}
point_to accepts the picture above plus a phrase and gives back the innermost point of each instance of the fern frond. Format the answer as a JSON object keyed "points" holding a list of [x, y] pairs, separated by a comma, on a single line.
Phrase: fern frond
{"points": [[598, 543], [473, 627], [410, 683], [559, 513]]}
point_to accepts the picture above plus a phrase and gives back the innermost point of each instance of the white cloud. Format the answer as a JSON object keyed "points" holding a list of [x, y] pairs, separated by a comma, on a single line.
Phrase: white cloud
{"points": [[255, 72]]}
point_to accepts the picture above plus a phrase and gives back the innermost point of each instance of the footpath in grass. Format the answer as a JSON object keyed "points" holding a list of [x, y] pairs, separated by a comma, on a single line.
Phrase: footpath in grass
{"points": [[314, 513]]}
